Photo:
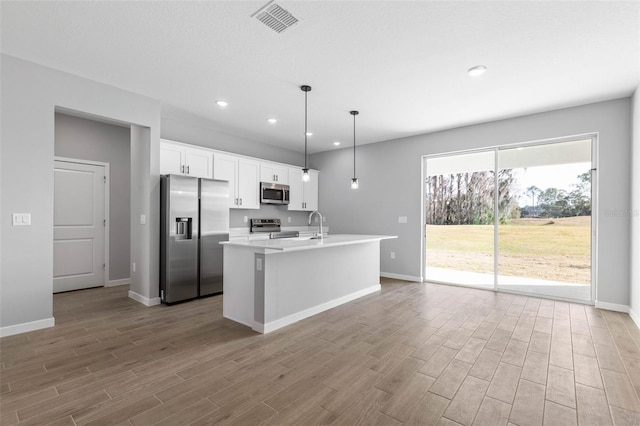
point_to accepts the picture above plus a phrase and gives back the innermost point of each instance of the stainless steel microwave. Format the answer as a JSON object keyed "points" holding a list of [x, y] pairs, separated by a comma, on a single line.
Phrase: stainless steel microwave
{"points": [[274, 193]]}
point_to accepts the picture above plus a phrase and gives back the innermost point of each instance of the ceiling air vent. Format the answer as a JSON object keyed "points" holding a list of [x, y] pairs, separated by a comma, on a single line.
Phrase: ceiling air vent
{"points": [[276, 17]]}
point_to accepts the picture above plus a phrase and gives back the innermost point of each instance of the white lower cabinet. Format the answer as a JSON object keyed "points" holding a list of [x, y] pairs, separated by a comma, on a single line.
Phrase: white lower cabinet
{"points": [[303, 196], [179, 159], [244, 179]]}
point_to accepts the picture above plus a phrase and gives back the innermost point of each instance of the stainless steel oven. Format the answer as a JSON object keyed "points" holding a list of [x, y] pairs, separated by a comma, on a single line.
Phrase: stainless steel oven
{"points": [[274, 193]]}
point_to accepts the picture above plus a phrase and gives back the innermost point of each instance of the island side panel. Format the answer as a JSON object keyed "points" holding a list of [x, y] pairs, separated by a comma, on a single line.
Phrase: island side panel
{"points": [[238, 284], [299, 284]]}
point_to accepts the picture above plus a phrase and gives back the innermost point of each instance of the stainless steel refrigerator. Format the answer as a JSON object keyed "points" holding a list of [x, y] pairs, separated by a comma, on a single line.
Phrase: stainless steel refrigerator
{"points": [[194, 217]]}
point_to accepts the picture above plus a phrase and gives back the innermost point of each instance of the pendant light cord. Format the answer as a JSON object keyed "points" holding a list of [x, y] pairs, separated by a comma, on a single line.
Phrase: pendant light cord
{"points": [[354, 113], [305, 128], [354, 145]]}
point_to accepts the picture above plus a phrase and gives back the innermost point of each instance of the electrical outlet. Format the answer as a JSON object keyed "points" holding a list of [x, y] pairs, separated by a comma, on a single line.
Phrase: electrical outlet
{"points": [[402, 219], [289, 219], [324, 219], [134, 266], [143, 219], [258, 264], [393, 254], [246, 219]]}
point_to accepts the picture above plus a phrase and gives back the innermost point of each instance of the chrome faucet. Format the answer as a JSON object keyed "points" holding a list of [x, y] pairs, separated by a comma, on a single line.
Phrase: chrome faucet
{"points": [[317, 236]]}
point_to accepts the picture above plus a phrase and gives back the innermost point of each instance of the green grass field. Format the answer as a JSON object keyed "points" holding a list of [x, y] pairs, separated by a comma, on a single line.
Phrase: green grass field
{"points": [[550, 249]]}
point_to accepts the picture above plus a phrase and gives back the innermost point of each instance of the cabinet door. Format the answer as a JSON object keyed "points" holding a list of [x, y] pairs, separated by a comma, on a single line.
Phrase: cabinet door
{"points": [[248, 184], [171, 159], [282, 174], [199, 163], [310, 191], [295, 187], [267, 173], [225, 168]]}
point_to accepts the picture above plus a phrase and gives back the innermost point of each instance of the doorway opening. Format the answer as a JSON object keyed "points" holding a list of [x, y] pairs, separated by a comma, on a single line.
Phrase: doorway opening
{"points": [[95, 166], [517, 219]]}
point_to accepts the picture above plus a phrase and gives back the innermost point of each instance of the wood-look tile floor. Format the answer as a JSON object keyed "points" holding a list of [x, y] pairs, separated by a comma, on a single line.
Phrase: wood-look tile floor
{"points": [[414, 354]]}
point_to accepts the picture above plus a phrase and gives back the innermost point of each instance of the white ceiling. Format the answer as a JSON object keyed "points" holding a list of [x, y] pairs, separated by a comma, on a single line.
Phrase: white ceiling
{"points": [[401, 63]]}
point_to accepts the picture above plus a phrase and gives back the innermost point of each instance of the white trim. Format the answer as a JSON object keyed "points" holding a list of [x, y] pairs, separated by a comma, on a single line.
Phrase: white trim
{"points": [[141, 299], [401, 277], [114, 283], [635, 317], [25, 327], [282, 322], [612, 307]]}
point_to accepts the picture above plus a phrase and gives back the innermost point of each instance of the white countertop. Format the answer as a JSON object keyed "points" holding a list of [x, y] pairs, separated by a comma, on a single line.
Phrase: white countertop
{"points": [[293, 244]]}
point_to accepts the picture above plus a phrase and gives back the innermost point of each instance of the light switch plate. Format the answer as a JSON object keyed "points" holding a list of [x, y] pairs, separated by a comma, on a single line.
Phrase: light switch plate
{"points": [[21, 219], [402, 219]]}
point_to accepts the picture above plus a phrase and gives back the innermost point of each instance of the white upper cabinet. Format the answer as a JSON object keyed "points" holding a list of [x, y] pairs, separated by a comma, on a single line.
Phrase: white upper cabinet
{"points": [[179, 159], [243, 175], [303, 196], [274, 173]]}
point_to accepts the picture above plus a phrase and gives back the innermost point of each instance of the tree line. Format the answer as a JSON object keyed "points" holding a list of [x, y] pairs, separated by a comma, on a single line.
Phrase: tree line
{"points": [[468, 199]]}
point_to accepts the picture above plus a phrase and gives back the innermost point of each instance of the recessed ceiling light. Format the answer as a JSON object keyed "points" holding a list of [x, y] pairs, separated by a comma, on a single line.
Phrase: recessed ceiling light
{"points": [[477, 70], [222, 104], [272, 120], [309, 133], [336, 143]]}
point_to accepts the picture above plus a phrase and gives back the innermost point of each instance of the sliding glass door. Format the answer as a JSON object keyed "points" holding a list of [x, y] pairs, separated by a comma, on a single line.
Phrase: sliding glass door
{"points": [[517, 219], [544, 242], [459, 233]]}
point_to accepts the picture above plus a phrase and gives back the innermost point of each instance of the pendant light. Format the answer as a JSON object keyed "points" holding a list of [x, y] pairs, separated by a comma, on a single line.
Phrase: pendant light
{"points": [[305, 172], [354, 180]]}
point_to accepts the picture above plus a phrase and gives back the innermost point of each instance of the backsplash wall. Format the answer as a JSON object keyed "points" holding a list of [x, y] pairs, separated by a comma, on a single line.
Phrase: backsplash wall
{"points": [[267, 211]]}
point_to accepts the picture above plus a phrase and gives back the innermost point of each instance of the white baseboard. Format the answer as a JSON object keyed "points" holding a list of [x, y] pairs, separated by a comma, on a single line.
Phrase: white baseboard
{"points": [[141, 299], [274, 325], [401, 277], [635, 317], [612, 307], [25, 327], [114, 283]]}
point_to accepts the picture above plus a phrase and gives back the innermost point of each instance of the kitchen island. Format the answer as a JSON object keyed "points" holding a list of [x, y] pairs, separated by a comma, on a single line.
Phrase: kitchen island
{"points": [[269, 284]]}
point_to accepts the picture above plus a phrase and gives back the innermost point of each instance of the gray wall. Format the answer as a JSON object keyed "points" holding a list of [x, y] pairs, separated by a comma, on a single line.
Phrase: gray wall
{"points": [[196, 132], [390, 184], [85, 139], [635, 209], [30, 96]]}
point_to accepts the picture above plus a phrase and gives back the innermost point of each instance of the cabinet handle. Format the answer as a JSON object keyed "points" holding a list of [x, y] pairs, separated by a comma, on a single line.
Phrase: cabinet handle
{"points": [[276, 178], [188, 170], [236, 202], [240, 201], [181, 169]]}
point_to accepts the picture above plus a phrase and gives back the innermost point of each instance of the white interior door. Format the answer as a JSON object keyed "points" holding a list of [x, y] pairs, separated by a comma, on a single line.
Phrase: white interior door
{"points": [[78, 226]]}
